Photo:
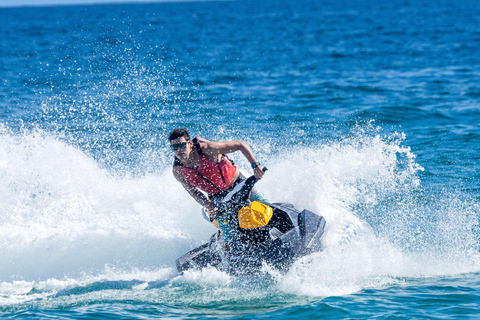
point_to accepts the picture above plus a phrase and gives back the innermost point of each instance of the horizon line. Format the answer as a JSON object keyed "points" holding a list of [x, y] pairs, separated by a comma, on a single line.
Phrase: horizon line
{"points": [[102, 2]]}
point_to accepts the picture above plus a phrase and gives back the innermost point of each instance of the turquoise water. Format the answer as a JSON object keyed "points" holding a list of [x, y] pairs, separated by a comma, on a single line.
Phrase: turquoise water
{"points": [[365, 113]]}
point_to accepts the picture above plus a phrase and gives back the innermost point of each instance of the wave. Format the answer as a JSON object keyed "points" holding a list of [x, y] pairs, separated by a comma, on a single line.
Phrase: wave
{"points": [[63, 215], [66, 222]]}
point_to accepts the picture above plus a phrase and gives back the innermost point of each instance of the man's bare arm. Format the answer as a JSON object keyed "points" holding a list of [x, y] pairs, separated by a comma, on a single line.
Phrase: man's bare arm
{"points": [[213, 148]]}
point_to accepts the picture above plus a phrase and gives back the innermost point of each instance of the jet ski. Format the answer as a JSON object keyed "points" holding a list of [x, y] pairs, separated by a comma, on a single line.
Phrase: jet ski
{"points": [[255, 234]]}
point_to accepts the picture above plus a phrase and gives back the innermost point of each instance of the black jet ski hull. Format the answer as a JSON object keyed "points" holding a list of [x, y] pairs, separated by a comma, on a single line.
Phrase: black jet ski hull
{"points": [[288, 236]]}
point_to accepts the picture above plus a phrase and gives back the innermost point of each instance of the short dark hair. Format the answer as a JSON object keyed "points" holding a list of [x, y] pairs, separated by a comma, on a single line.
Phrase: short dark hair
{"points": [[178, 133]]}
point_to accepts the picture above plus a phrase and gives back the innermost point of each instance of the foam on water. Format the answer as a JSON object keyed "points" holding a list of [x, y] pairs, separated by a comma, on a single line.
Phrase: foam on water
{"points": [[62, 214], [382, 225], [66, 222]]}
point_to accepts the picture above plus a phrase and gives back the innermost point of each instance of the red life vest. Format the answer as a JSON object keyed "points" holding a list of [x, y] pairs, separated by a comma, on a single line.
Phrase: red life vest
{"points": [[210, 177]]}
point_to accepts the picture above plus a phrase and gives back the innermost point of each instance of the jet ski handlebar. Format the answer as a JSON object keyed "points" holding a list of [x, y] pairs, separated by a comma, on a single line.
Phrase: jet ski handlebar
{"points": [[237, 198], [250, 182], [252, 178]]}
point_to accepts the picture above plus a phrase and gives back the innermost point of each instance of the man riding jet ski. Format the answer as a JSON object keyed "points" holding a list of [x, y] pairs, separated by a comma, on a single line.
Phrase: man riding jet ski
{"points": [[247, 221]]}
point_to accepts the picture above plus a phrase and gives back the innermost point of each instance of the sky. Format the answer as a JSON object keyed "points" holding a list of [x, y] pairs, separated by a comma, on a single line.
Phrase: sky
{"points": [[10, 3]]}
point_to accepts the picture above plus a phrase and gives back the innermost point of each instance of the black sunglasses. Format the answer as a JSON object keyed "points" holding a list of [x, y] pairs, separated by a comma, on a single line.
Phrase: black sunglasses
{"points": [[180, 145]]}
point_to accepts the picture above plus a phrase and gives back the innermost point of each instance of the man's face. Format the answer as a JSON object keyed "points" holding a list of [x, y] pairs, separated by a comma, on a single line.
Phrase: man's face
{"points": [[181, 152]]}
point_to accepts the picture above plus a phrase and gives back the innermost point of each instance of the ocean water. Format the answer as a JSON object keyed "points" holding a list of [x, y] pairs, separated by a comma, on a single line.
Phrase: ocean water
{"points": [[366, 113]]}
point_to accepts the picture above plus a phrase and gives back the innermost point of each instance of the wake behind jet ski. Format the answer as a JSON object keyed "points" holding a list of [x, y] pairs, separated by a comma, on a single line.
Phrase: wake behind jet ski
{"points": [[254, 233]]}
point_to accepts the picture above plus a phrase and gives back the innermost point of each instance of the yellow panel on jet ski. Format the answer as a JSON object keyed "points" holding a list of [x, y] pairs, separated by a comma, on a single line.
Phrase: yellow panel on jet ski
{"points": [[256, 215]]}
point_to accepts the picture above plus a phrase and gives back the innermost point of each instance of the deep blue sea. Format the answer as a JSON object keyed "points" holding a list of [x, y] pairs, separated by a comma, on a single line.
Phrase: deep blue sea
{"points": [[365, 112]]}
